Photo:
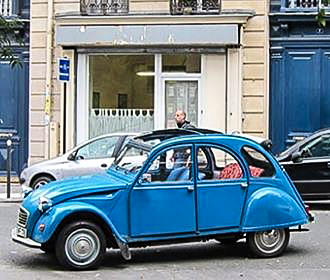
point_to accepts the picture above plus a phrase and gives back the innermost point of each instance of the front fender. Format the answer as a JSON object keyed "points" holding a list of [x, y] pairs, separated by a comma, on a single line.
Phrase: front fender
{"points": [[270, 208], [53, 217]]}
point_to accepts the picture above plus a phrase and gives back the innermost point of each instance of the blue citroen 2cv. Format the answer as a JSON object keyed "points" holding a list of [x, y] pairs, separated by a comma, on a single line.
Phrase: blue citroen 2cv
{"points": [[188, 188]]}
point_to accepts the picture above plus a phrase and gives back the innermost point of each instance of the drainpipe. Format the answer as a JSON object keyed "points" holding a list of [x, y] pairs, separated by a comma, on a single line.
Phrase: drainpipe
{"points": [[49, 56]]}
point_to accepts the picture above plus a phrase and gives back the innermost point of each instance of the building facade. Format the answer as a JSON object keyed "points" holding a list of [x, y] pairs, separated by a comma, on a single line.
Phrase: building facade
{"points": [[300, 67], [134, 63], [14, 91]]}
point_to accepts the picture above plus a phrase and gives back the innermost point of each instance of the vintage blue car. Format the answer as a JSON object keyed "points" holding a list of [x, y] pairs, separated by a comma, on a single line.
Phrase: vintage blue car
{"points": [[188, 188]]}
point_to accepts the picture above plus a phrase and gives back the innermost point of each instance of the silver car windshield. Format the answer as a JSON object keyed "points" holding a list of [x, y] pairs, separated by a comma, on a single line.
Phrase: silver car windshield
{"points": [[131, 158]]}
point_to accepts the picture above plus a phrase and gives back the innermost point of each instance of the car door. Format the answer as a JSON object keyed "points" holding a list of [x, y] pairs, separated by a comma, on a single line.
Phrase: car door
{"points": [[163, 202], [221, 193], [311, 174], [94, 157]]}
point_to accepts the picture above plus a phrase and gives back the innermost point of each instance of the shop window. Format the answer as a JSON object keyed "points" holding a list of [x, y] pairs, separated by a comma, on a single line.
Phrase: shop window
{"points": [[121, 93], [185, 63]]}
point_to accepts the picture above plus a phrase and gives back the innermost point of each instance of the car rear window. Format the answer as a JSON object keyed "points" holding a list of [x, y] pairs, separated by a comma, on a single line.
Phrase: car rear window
{"points": [[259, 165]]}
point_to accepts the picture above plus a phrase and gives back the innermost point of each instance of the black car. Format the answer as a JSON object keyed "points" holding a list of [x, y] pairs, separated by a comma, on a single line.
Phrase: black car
{"points": [[308, 165]]}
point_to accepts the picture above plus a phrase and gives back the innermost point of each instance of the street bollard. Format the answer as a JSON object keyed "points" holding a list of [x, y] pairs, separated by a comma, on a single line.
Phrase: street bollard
{"points": [[9, 143]]}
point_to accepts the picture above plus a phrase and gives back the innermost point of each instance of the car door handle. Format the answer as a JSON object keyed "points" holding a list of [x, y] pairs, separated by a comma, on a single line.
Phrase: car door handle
{"points": [[244, 185], [328, 164], [190, 188], [104, 165]]}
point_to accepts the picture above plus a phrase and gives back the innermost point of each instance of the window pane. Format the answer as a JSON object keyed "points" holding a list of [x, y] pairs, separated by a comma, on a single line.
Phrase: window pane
{"points": [[171, 165], [101, 148], [225, 165], [259, 165], [181, 95], [121, 93], [318, 148], [217, 164], [185, 63]]}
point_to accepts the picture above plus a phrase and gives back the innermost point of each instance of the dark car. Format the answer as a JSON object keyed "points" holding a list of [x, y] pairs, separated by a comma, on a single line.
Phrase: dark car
{"points": [[308, 164]]}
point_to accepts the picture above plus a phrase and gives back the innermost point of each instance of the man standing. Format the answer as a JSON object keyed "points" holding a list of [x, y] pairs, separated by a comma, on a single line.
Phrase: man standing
{"points": [[181, 122], [181, 156]]}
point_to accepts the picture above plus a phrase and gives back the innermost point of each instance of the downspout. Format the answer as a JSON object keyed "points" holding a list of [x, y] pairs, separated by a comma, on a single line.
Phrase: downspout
{"points": [[49, 56]]}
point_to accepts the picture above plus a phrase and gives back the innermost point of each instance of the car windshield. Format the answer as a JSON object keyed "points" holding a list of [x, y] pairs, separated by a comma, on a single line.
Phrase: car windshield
{"points": [[132, 157]]}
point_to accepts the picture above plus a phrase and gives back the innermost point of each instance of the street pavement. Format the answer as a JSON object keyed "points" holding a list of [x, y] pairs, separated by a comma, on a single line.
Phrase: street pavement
{"points": [[307, 257]]}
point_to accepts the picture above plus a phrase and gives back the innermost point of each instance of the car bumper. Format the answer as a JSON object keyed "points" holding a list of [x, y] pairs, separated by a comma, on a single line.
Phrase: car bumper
{"points": [[25, 241]]}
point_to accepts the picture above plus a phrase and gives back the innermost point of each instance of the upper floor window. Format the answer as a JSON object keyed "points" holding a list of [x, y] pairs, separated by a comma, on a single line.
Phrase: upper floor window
{"points": [[194, 6], [6, 8], [103, 7], [303, 5]]}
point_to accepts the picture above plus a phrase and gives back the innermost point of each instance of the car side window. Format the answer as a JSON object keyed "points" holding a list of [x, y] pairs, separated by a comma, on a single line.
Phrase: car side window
{"points": [[100, 148], [259, 165], [320, 147], [223, 165], [170, 166]]}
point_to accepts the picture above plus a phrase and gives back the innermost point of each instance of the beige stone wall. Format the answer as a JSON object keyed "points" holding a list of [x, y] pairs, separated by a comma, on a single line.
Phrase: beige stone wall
{"points": [[254, 70], [39, 133], [255, 66]]}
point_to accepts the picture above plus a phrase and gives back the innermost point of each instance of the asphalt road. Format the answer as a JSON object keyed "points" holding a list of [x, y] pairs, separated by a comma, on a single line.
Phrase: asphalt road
{"points": [[307, 257]]}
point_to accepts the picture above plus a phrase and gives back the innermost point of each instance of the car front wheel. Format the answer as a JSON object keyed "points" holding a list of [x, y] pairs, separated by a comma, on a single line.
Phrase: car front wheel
{"points": [[41, 181], [81, 245], [269, 243]]}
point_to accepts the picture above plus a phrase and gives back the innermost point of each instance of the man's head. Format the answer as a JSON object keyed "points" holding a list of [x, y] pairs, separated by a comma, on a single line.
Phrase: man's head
{"points": [[180, 117]]}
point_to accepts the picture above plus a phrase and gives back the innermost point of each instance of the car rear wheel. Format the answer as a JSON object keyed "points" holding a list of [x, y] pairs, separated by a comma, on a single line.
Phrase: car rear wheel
{"points": [[269, 243], [41, 181], [81, 245]]}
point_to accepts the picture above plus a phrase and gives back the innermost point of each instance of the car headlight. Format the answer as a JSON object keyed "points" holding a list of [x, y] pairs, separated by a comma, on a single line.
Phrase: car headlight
{"points": [[44, 204]]}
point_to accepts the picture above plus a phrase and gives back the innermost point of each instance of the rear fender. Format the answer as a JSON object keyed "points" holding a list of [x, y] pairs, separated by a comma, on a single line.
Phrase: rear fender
{"points": [[54, 216], [270, 208]]}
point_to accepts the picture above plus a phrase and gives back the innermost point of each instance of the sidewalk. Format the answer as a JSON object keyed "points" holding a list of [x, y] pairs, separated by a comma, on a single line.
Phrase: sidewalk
{"points": [[16, 195]]}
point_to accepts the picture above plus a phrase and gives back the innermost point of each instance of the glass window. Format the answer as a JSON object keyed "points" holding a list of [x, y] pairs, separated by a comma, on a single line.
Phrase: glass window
{"points": [[121, 94], [184, 63], [320, 147], [181, 95], [259, 165], [171, 165], [131, 158], [217, 164], [100, 148]]}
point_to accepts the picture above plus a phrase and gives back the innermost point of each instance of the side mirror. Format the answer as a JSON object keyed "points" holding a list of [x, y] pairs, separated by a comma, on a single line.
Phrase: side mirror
{"points": [[146, 178], [71, 157], [296, 157]]}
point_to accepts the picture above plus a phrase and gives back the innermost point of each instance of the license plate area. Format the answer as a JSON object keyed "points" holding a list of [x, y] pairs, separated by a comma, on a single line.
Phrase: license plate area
{"points": [[21, 232]]}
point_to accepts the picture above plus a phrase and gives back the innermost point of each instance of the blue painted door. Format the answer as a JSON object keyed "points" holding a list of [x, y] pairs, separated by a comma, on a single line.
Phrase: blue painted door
{"points": [[300, 97], [166, 204], [14, 113]]}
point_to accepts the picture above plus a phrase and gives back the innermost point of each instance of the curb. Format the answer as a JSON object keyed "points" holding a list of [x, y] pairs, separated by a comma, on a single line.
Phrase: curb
{"points": [[11, 200]]}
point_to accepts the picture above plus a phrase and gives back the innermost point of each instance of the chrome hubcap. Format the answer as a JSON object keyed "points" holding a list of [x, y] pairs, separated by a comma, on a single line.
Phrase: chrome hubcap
{"points": [[270, 241], [82, 246]]}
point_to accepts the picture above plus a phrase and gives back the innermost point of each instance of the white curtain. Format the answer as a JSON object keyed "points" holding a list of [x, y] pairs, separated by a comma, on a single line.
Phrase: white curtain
{"points": [[104, 121]]}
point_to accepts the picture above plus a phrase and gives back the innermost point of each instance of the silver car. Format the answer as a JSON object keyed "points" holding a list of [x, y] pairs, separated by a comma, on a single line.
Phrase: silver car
{"points": [[90, 157]]}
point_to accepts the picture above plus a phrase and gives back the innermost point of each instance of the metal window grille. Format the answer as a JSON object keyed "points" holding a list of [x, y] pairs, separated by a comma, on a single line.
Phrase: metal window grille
{"points": [[103, 7]]}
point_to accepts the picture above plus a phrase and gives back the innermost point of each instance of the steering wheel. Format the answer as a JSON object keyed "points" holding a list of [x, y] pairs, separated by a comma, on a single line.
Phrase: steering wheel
{"points": [[135, 168]]}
